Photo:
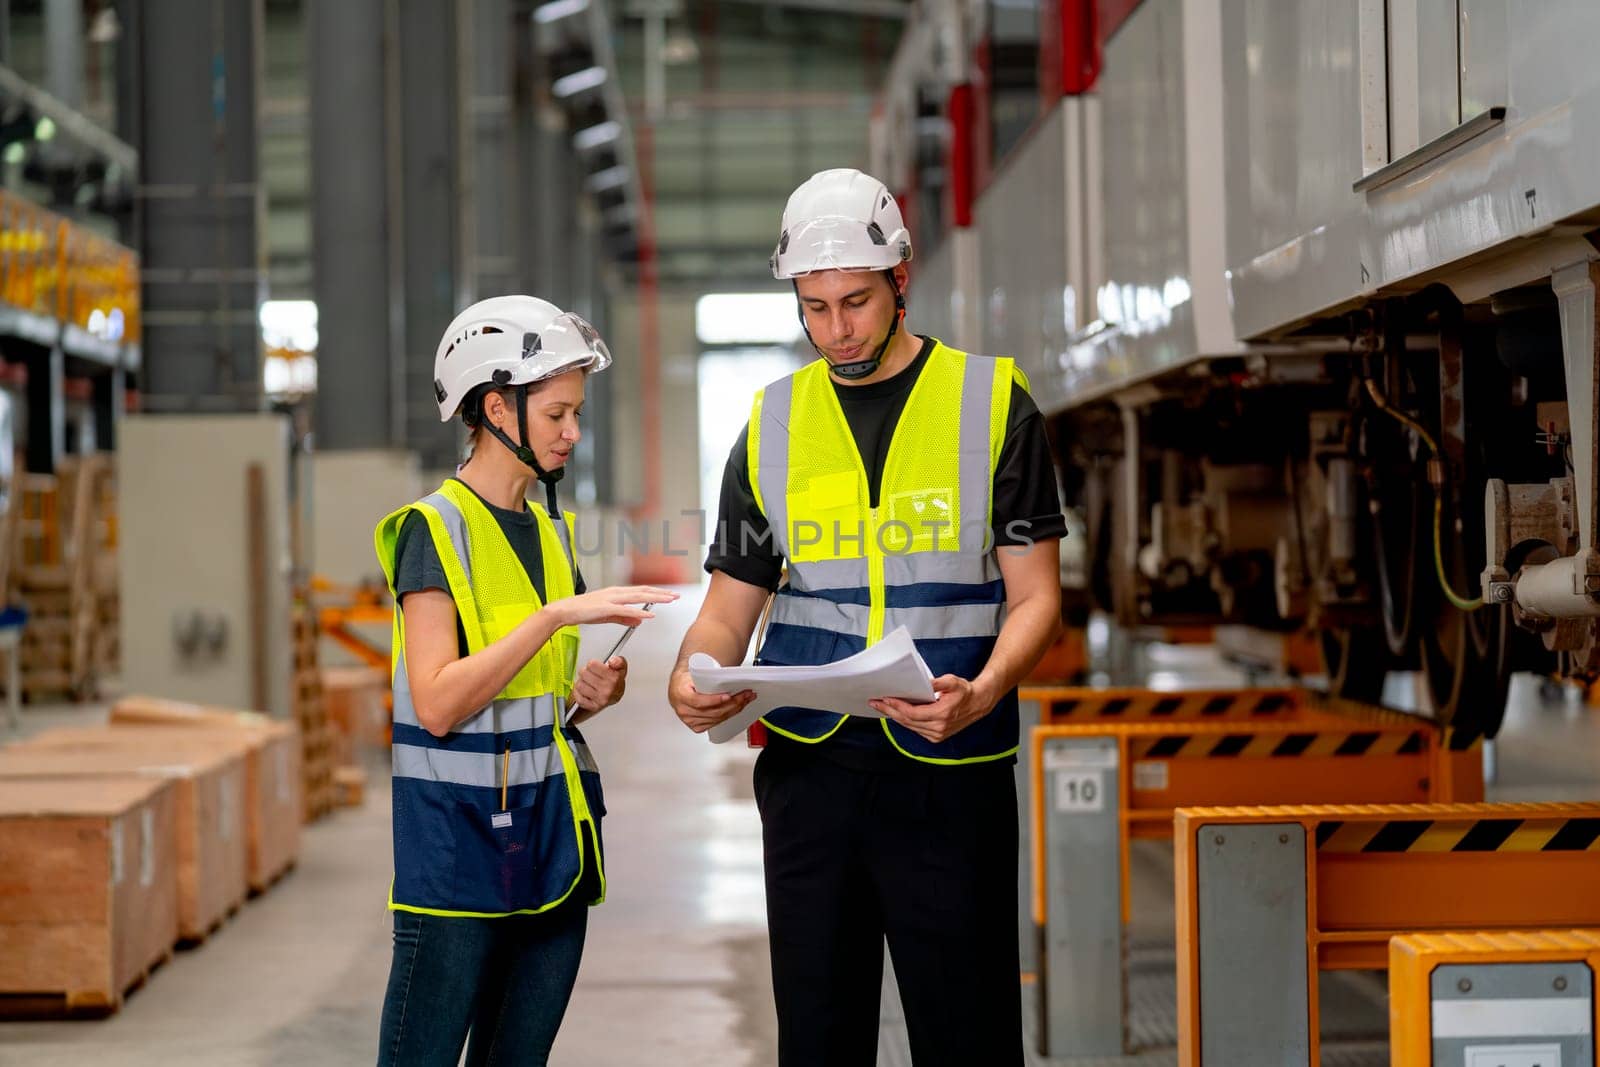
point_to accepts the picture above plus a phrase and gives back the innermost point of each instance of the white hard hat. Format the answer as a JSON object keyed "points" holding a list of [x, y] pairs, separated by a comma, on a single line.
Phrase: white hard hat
{"points": [[511, 340], [840, 220]]}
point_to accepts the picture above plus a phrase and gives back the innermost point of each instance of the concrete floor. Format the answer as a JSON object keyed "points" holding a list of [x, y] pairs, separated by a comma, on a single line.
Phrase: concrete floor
{"points": [[676, 969]]}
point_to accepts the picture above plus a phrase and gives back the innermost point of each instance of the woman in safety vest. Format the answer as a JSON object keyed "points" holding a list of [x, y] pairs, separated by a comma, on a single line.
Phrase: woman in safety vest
{"points": [[497, 802]]}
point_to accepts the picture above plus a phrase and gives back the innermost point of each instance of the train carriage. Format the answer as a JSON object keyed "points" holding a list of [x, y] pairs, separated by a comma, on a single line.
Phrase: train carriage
{"points": [[1307, 292]]}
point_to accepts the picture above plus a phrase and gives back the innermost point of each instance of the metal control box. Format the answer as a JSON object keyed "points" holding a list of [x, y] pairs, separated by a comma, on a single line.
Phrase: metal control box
{"points": [[1494, 999]]}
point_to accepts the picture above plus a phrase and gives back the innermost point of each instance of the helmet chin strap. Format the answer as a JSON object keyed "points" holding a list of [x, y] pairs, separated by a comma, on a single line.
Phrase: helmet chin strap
{"points": [[525, 454], [860, 368]]}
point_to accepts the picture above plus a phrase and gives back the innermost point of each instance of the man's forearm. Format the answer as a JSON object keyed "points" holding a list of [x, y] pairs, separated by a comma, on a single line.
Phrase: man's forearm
{"points": [[1031, 627], [713, 637]]}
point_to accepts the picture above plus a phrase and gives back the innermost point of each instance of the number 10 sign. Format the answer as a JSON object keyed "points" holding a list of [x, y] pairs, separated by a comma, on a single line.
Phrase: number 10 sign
{"points": [[1080, 790]]}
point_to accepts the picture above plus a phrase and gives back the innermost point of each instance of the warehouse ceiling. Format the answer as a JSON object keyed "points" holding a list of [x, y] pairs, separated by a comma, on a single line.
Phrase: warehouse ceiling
{"points": [[750, 99], [733, 103]]}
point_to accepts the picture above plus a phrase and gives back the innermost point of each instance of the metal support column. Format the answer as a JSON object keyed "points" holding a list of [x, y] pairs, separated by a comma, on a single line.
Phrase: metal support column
{"points": [[495, 112], [109, 400], [47, 416], [436, 194], [1575, 289], [1081, 972], [351, 191], [190, 73], [64, 42]]}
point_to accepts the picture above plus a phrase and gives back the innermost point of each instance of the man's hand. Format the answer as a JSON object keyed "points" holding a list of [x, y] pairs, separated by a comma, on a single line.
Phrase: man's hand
{"points": [[701, 711], [601, 685], [958, 704]]}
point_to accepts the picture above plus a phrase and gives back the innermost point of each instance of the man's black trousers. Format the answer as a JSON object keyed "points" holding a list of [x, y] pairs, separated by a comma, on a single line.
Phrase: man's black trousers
{"points": [[926, 858]]}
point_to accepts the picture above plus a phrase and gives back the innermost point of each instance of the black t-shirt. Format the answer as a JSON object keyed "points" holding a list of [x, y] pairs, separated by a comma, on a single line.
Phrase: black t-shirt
{"points": [[1027, 505], [417, 564], [1027, 508]]}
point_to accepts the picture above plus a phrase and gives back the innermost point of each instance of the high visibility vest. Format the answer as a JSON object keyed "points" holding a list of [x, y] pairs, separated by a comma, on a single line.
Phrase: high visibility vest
{"points": [[457, 849], [923, 558]]}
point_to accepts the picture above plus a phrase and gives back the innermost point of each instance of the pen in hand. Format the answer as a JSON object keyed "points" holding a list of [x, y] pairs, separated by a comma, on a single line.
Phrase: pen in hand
{"points": [[623, 640]]}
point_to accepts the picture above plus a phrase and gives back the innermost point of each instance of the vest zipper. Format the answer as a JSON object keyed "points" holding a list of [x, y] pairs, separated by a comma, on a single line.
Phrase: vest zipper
{"points": [[875, 591]]}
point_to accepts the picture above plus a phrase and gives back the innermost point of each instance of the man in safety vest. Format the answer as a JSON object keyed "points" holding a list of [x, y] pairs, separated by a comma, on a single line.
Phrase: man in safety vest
{"points": [[902, 483]]}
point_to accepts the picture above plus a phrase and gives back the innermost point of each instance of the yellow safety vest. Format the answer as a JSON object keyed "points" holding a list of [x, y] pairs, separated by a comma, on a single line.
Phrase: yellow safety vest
{"points": [[923, 558], [457, 850]]}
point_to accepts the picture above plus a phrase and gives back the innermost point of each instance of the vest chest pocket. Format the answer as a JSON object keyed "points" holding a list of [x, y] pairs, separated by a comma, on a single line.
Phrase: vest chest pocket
{"points": [[530, 680], [922, 520], [828, 518], [496, 857]]}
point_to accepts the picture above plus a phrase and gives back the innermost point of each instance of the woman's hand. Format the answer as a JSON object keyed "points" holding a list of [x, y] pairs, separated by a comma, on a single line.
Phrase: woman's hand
{"points": [[617, 603], [601, 685]]}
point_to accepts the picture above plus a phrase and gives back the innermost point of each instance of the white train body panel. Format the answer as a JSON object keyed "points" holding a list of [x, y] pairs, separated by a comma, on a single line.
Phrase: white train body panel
{"points": [[943, 288], [1096, 270], [1319, 95], [1025, 301]]}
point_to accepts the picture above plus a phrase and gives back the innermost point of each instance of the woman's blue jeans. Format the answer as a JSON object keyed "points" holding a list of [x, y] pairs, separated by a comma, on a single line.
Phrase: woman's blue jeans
{"points": [[506, 982]]}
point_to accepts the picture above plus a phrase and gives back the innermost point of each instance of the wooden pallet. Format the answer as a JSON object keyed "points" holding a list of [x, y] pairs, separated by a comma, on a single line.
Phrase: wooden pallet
{"points": [[77, 1003], [58, 559], [310, 712]]}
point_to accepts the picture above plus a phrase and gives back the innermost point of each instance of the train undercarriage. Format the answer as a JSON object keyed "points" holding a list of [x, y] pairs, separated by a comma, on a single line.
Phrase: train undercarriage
{"points": [[1412, 480]]}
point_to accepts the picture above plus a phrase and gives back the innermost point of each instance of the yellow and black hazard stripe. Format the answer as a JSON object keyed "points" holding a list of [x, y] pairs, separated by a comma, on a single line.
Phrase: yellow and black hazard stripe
{"points": [[1171, 705], [1460, 835], [1265, 745]]}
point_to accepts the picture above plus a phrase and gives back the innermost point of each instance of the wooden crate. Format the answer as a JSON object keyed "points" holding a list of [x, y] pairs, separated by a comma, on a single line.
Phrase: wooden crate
{"points": [[350, 786], [353, 698], [212, 848], [89, 898], [272, 772]]}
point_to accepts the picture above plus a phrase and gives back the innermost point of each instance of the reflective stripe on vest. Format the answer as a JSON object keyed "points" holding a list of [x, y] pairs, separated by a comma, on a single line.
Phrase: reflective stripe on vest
{"points": [[490, 818], [923, 558]]}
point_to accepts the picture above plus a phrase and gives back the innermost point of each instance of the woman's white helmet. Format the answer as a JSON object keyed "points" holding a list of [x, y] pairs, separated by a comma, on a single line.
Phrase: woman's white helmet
{"points": [[840, 220], [508, 341]]}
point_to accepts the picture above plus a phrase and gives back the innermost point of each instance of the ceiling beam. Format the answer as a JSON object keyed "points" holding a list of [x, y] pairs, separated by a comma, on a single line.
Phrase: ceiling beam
{"points": [[883, 9]]}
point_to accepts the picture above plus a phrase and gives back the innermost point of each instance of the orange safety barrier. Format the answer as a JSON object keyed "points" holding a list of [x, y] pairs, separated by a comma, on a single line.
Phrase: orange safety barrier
{"points": [[1267, 746], [1107, 766], [1368, 873], [1414, 959]]}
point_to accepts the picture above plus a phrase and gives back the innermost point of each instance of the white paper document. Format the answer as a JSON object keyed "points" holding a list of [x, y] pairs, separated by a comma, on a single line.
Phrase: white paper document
{"points": [[890, 668]]}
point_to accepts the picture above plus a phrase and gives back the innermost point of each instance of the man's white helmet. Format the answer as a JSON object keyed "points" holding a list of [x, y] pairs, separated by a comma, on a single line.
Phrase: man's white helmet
{"points": [[511, 340], [840, 220]]}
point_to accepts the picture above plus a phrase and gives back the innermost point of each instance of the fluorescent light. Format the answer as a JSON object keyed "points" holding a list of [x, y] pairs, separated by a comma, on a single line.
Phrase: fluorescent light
{"points": [[289, 324], [596, 135], [547, 13], [610, 178], [582, 81], [746, 318]]}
